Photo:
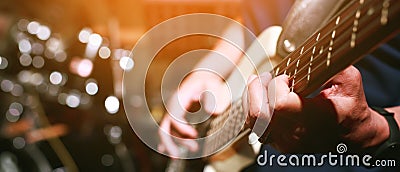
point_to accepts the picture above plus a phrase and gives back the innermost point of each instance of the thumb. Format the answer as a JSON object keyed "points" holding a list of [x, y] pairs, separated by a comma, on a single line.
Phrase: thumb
{"points": [[346, 83]]}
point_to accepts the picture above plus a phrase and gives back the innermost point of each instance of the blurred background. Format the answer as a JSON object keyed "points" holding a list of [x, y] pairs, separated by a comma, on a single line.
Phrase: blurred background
{"points": [[61, 67]]}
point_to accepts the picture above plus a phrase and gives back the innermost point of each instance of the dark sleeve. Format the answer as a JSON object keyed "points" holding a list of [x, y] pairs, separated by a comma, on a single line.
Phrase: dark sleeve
{"points": [[380, 72]]}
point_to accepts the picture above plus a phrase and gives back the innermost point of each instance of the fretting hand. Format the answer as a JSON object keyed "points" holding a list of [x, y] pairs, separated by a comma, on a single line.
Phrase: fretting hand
{"points": [[339, 113]]}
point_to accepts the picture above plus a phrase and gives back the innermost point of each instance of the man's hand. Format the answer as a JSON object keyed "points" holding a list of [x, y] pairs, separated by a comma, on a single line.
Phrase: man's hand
{"points": [[339, 113], [200, 86]]}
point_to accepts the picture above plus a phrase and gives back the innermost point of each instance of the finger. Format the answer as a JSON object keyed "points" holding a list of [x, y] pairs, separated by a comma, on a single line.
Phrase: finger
{"points": [[347, 82], [161, 148], [190, 143], [184, 129], [245, 99], [217, 99], [281, 98], [258, 102], [346, 75], [177, 108], [167, 143]]}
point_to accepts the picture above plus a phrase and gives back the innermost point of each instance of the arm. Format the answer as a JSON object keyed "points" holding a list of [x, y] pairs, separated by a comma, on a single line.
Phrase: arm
{"points": [[208, 76]]}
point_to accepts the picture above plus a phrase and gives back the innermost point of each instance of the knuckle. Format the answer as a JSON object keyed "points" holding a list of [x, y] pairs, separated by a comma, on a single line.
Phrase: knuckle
{"points": [[280, 104], [354, 73]]}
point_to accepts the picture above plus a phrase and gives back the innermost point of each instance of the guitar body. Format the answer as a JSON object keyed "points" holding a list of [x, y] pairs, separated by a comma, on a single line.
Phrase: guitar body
{"points": [[240, 153]]}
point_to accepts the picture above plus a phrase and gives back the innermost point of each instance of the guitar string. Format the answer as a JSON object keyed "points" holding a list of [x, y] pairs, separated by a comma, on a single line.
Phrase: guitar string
{"points": [[226, 139], [325, 48], [319, 65], [311, 39], [308, 50]]}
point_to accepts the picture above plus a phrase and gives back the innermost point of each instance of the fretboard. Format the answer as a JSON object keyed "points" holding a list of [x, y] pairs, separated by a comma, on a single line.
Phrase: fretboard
{"points": [[356, 30]]}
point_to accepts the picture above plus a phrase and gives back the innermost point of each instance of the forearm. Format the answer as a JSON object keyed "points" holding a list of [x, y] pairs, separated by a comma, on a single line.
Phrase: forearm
{"points": [[379, 126], [227, 52]]}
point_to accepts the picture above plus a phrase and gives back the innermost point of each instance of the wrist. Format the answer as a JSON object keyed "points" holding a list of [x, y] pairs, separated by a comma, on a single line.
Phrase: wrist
{"points": [[371, 131], [382, 131], [390, 148]]}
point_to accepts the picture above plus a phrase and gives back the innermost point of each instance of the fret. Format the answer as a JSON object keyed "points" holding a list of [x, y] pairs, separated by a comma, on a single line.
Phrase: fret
{"points": [[319, 33], [321, 50], [368, 27], [310, 64], [328, 57], [301, 51], [336, 26], [225, 127], [294, 75], [288, 62], [287, 65], [385, 12], [277, 71], [355, 26]]}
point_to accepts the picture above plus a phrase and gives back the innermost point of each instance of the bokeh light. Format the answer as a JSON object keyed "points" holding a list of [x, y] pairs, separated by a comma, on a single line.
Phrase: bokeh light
{"points": [[36, 79], [54, 44], [112, 104], [93, 45], [91, 88], [104, 52], [82, 67], [38, 62], [37, 48], [56, 78], [17, 90], [43, 32], [17, 108], [24, 76], [84, 35], [115, 132], [24, 46], [107, 160], [73, 100], [7, 85], [3, 63], [95, 40], [25, 60], [19, 142], [23, 25], [33, 27], [126, 63], [60, 56]]}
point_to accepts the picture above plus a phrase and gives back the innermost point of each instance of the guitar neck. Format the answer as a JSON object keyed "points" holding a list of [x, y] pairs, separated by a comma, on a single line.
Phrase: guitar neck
{"points": [[356, 30]]}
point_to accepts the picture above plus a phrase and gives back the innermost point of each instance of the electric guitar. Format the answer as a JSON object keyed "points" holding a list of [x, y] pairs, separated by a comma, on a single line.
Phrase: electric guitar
{"points": [[352, 32]]}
